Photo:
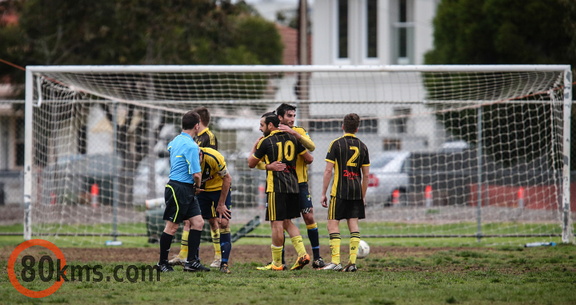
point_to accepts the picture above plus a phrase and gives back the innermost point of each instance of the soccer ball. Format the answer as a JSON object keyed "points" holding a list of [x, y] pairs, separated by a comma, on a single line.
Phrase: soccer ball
{"points": [[363, 249]]}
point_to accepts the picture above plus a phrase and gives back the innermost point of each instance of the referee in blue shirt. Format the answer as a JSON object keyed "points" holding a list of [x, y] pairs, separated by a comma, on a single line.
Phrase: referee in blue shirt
{"points": [[180, 195]]}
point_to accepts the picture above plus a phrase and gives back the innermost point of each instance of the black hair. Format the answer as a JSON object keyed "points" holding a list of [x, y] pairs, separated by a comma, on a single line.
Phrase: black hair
{"points": [[351, 123], [204, 115], [271, 117], [189, 120], [281, 110]]}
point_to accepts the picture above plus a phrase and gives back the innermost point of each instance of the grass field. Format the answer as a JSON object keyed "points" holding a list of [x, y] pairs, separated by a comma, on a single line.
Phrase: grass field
{"points": [[398, 271]]}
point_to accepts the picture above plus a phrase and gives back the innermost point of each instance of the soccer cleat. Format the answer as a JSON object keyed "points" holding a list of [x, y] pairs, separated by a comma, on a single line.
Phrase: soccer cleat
{"points": [[319, 263], [272, 267], [350, 268], [224, 268], [333, 267], [177, 261], [164, 267], [216, 263], [195, 266], [301, 262]]}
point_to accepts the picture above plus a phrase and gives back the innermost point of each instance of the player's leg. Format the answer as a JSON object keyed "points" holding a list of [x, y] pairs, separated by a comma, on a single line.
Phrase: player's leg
{"points": [[196, 225], [293, 211], [225, 237], [294, 233], [181, 257], [355, 211], [334, 232], [277, 243], [225, 245], [173, 194], [354, 242], [215, 234], [275, 213], [206, 203], [307, 210], [165, 242]]}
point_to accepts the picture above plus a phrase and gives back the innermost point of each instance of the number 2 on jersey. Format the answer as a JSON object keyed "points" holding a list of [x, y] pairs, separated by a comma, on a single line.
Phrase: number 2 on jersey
{"points": [[352, 161]]}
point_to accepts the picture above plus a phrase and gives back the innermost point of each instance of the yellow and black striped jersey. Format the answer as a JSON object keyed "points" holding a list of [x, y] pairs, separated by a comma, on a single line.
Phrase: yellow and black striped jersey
{"points": [[301, 166], [206, 138], [349, 155], [213, 168], [283, 147]]}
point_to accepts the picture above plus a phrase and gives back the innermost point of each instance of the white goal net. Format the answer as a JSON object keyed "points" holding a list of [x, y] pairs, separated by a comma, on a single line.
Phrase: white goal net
{"points": [[479, 152]]}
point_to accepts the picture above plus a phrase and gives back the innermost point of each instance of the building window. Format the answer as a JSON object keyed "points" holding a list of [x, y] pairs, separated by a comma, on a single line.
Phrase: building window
{"points": [[403, 31], [399, 123], [391, 144], [372, 28], [342, 28], [335, 125]]}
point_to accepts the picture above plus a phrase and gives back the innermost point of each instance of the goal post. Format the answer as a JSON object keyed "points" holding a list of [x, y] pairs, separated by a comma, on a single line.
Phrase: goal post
{"points": [[478, 151]]}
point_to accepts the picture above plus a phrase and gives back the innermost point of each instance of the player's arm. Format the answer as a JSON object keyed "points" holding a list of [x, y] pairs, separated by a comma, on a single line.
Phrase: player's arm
{"points": [[301, 135], [306, 141], [365, 174], [308, 158], [252, 160], [221, 208], [326, 182], [192, 155], [197, 180], [275, 166]]}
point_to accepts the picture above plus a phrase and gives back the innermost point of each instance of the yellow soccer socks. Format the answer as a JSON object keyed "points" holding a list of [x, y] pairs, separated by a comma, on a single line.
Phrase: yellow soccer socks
{"points": [[335, 242], [184, 246], [354, 242]]}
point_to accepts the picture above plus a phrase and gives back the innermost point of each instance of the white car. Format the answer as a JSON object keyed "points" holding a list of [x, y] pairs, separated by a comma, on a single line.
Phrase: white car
{"points": [[388, 180], [140, 190]]}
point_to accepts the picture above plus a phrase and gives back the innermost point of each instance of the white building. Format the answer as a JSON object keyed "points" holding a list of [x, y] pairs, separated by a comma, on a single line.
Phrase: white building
{"points": [[372, 32], [380, 32]]}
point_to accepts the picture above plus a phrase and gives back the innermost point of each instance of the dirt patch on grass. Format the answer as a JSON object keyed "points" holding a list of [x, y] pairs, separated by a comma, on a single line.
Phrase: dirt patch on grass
{"points": [[240, 253]]}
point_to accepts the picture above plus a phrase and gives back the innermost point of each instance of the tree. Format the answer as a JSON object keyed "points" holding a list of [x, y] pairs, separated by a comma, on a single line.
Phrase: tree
{"points": [[503, 32], [134, 32]]}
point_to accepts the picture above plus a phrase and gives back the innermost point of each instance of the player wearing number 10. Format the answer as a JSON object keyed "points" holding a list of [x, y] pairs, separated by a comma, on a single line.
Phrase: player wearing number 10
{"points": [[348, 158], [281, 188]]}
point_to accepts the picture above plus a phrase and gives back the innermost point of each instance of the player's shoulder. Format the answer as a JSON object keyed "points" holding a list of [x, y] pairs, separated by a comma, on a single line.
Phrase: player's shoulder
{"points": [[266, 140], [336, 142], [339, 139], [209, 133], [299, 129], [209, 150]]}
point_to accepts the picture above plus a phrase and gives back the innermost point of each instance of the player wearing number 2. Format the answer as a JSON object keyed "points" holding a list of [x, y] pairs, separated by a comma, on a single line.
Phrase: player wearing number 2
{"points": [[348, 158], [281, 188]]}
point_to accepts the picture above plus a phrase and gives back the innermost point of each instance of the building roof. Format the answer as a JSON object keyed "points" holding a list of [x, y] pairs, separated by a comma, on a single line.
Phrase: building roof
{"points": [[289, 38]]}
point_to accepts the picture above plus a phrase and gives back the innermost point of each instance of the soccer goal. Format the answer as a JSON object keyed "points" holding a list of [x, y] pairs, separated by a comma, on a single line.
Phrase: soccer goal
{"points": [[479, 152]]}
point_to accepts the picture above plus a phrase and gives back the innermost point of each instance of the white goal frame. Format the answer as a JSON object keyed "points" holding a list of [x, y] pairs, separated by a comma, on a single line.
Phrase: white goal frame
{"points": [[30, 103]]}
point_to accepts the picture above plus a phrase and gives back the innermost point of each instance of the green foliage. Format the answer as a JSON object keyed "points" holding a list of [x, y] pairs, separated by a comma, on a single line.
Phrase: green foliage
{"points": [[135, 32], [504, 32]]}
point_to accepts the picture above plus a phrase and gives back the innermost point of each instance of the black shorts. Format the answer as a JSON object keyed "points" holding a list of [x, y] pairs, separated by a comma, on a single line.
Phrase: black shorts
{"points": [[209, 201], [282, 206], [181, 203], [304, 197], [345, 209]]}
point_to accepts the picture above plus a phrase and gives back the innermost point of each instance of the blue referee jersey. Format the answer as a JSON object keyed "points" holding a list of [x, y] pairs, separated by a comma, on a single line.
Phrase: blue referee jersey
{"points": [[184, 158]]}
